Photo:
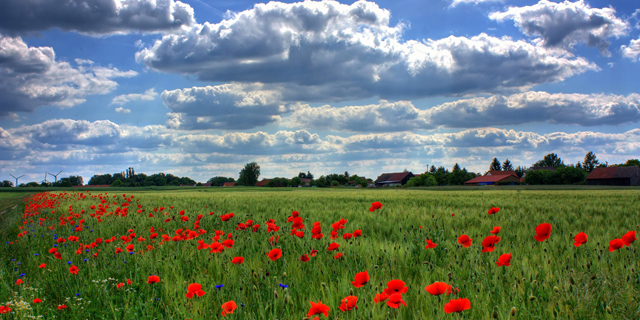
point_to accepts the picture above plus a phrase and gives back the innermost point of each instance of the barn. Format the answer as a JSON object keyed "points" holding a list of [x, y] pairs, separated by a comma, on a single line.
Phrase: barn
{"points": [[494, 177], [393, 179], [615, 176]]}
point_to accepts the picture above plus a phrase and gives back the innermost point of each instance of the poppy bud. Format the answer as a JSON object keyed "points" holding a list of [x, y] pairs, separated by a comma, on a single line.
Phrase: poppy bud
{"points": [[608, 309], [275, 294], [255, 288], [531, 298], [556, 289], [513, 311], [284, 274], [376, 266], [495, 314]]}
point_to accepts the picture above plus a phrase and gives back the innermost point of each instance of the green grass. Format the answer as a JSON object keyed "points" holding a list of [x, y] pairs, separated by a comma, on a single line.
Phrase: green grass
{"points": [[546, 280]]}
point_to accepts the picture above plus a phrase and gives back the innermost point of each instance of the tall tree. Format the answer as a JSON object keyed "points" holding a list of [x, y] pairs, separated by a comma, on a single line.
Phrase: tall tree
{"points": [[495, 165], [551, 160], [520, 171], [507, 165], [456, 167], [590, 161], [302, 175], [249, 174], [432, 169], [309, 175]]}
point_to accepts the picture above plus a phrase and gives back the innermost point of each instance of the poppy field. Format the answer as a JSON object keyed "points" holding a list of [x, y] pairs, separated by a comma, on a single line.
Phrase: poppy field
{"points": [[315, 254]]}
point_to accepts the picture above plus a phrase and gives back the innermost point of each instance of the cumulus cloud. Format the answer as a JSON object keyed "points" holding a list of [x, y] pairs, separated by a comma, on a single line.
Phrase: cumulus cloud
{"points": [[457, 2], [148, 95], [332, 51], [228, 106], [122, 110], [632, 51], [567, 24], [94, 17], [30, 77], [527, 107]]}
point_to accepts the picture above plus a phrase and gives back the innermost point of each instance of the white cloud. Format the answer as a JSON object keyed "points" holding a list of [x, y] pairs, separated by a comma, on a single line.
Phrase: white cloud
{"points": [[122, 110], [94, 17], [457, 2], [31, 77], [632, 51], [567, 24], [332, 51], [148, 95]]}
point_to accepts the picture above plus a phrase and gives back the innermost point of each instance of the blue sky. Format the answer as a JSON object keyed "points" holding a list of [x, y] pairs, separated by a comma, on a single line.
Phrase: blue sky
{"points": [[198, 88]]}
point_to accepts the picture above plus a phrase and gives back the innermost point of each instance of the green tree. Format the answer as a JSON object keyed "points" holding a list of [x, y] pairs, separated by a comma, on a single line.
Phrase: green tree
{"points": [[219, 181], [296, 181], [117, 183], [520, 171], [550, 160], [6, 184], [495, 165], [590, 162], [302, 175], [309, 175], [432, 169], [249, 174], [507, 165], [456, 167]]}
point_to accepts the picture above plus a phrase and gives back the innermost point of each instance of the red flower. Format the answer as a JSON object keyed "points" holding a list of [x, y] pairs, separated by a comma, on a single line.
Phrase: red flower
{"points": [[42, 266], [305, 258], [118, 250], [275, 254], [153, 279], [430, 245], [629, 237], [380, 297], [375, 206], [488, 244], [347, 236], [361, 279], [129, 281], [318, 308], [228, 307], [395, 300], [338, 255], [457, 305], [493, 210], [438, 288], [36, 300], [580, 239], [615, 244], [394, 286], [357, 233], [313, 252], [543, 232], [465, 241], [73, 270], [237, 260], [62, 307], [130, 248], [202, 245], [495, 230], [194, 288], [333, 246], [4, 309], [349, 303], [120, 285], [504, 260], [19, 282]]}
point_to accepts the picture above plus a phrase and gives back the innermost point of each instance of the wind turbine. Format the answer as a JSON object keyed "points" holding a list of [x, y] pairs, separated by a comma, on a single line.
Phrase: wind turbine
{"points": [[55, 175], [16, 178], [45, 178]]}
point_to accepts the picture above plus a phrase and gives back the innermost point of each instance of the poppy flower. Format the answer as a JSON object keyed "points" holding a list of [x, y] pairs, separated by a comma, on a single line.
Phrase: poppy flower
{"points": [[347, 236], [629, 237], [338, 255], [237, 260], [495, 230], [465, 241], [488, 244], [493, 210], [395, 300], [42, 266], [216, 247], [313, 252], [615, 244], [4, 309], [129, 281], [333, 246], [120, 285], [153, 279], [228, 307], [430, 244], [73, 270], [130, 248], [318, 308], [543, 232], [375, 206], [361, 279], [438, 288], [580, 239], [228, 243], [504, 260], [357, 233], [457, 305], [380, 297], [275, 254], [37, 300], [19, 282], [394, 286], [194, 288], [349, 303], [62, 307], [305, 258]]}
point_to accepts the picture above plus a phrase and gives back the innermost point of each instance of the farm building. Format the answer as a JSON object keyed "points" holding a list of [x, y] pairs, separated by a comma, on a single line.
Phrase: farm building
{"points": [[393, 179], [615, 176], [229, 184], [262, 183], [494, 177]]}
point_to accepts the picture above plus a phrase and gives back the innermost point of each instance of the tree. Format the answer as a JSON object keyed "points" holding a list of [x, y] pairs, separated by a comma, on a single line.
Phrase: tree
{"points": [[219, 181], [551, 160], [296, 181], [456, 167], [632, 162], [495, 165], [302, 175], [590, 161], [309, 175], [6, 184], [346, 174], [507, 165], [520, 171], [249, 174], [432, 169]]}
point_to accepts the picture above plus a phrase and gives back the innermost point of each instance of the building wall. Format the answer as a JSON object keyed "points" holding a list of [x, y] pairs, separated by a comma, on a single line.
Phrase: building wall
{"points": [[610, 182]]}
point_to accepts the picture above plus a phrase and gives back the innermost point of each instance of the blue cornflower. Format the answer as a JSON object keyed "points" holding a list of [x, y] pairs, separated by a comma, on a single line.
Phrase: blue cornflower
{"points": [[78, 294], [35, 254], [219, 286], [69, 262], [284, 285], [22, 275], [86, 259]]}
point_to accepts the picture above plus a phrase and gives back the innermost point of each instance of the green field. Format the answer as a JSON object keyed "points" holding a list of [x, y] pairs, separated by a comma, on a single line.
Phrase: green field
{"points": [[550, 279]]}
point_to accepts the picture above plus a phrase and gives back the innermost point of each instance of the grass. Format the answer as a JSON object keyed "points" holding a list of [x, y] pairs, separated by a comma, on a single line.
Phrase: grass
{"points": [[552, 279]]}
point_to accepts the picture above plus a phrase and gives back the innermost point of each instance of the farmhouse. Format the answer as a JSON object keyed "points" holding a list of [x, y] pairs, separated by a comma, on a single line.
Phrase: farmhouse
{"points": [[393, 179], [229, 184], [494, 177], [615, 176], [262, 183]]}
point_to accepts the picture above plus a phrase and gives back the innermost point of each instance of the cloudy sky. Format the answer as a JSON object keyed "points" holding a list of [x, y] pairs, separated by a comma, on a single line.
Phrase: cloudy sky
{"points": [[198, 88]]}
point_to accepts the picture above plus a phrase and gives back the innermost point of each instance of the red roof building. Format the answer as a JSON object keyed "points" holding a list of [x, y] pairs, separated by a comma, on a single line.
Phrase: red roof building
{"points": [[229, 184], [494, 177], [262, 183], [390, 179], [615, 176]]}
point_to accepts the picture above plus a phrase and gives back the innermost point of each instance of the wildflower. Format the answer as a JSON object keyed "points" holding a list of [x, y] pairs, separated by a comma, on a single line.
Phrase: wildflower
{"points": [[349, 303], [237, 260], [395, 300], [430, 244], [361, 279], [274, 254], [457, 305], [495, 230], [228, 307], [580, 239], [318, 308], [153, 279], [396, 286], [504, 260], [438, 288], [465, 241], [493, 210], [194, 288], [73, 270], [543, 232]]}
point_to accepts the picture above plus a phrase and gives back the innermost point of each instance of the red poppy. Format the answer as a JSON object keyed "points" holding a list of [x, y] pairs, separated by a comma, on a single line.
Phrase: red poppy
{"points": [[361, 279], [543, 232], [380, 297], [130, 248], [228, 307], [120, 285], [495, 230], [37, 300], [504, 260], [194, 288], [318, 308], [4, 309], [580, 239], [73, 270], [153, 279], [375, 206], [357, 233], [338, 255], [488, 244], [216, 247], [275, 254], [349, 303], [42, 265], [202, 245], [333, 246], [347, 236], [615, 244], [313, 252], [493, 210], [228, 243], [395, 300], [629, 237], [394, 286], [237, 260], [438, 288], [305, 258], [19, 282], [430, 244], [129, 281], [465, 241], [457, 305], [62, 307]]}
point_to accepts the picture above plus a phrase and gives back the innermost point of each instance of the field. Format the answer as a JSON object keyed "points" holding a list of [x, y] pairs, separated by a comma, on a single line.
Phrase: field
{"points": [[546, 279]]}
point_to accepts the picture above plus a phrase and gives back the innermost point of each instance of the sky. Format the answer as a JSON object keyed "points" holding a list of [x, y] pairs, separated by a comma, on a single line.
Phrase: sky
{"points": [[199, 88]]}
